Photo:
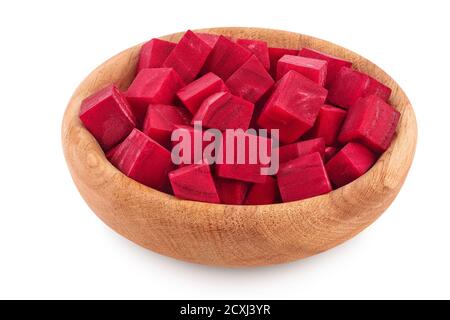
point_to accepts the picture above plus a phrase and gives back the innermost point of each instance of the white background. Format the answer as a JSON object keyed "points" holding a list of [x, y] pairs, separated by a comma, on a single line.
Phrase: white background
{"points": [[53, 246]]}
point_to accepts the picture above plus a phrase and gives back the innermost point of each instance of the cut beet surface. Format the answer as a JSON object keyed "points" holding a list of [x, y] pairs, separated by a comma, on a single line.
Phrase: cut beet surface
{"points": [[144, 160], [224, 111], [350, 85], [303, 178], [330, 152], [334, 63], [231, 191], [293, 106], [276, 54], [251, 81], [262, 193], [370, 121], [155, 85], [226, 57], [313, 69], [296, 150], [195, 92], [154, 53], [351, 162], [209, 38], [194, 182], [108, 116], [258, 48], [161, 120], [328, 124]]}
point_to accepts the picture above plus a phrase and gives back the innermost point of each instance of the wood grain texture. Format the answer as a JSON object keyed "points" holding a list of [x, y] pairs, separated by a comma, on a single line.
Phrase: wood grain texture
{"points": [[224, 235]]}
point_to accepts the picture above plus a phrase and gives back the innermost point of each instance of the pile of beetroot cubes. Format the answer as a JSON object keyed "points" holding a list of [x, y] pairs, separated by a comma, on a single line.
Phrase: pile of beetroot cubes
{"points": [[333, 121]]}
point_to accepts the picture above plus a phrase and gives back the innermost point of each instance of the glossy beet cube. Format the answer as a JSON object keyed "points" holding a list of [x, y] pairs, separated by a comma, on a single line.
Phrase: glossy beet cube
{"points": [[330, 152], [209, 38], [224, 111], [302, 178], [372, 122], [154, 53], [313, 69], [263, 193], [161, 120], [156, 86], [293, 106], [350, 85], [296, 150], [328, 124], [197, 91], [108, 116], [188, 57], [251, 81], [144, 160], [351, 162], [276, 54], [259, 48], [194, 182], [231, 191], [226, 57], [334, 63]]}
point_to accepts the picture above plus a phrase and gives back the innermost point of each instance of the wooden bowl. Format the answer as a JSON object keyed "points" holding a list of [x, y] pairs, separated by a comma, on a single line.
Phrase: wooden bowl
{"points": [[225, 235]]}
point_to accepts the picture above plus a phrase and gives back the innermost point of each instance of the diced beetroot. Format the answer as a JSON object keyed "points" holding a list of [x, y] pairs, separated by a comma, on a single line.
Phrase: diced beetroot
{"points": [[328, 124], [231, 191], [226, 57], [313, 69], [303, 178], [190, 133], [372, 122], [349, 164], [108, 116], [111, 152], [263, 193], [154, 85], [247, 170], [251, 81], [194, 182], [330, 152], [334, 63], [195, 92], [154, 53], [188, 57], [350, 85], [293, 106], [276, 54], [160, 121], [144, 160], [225, 111], [259, 48], [209, 38], [296, 150]]}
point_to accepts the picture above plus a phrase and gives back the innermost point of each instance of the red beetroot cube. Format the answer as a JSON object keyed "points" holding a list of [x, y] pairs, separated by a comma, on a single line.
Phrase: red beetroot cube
{"points": [[263, 193], [226, 57], [231, 191], [350, 85], [188, 57], [108, 116], [251, 81], [276, 54], [296, 150], [195, 92], [209, 38], [259, 48], [334, 63], [156, 86], [144, 160], [330, 152], [328, 124], [255, 157], [224, 111], [194, 182], [161, 120], [349, 164], [372, 122], [302, 178], [313, 69], [154, 53], [293, 106]]}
